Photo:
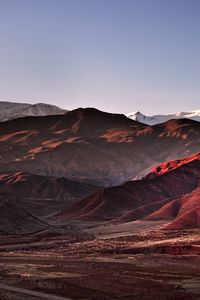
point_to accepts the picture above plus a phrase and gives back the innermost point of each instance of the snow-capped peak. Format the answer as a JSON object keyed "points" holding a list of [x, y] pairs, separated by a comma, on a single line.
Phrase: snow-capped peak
{"points": [[11, 110], [157, 119]]}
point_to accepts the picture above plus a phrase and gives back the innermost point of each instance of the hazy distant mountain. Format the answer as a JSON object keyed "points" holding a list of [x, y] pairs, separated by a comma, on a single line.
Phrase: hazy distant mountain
{"points": [[157, 119], [11, 110]]}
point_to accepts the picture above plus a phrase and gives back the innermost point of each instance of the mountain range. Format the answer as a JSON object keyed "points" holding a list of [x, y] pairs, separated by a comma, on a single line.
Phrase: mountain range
{"points": [[13, 110], [157, 119], [94, 166]]}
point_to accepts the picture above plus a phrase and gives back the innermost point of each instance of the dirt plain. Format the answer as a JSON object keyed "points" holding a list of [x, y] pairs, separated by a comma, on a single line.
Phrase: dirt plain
{"points": [[100, 264]]}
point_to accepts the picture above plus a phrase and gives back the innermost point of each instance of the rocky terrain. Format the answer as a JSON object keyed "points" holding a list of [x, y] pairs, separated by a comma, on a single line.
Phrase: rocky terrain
{"points": [[95, 205], [145, 263]]}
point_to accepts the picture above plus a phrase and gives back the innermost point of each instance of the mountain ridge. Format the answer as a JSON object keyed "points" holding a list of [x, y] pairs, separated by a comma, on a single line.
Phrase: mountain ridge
{"points": [[157, 119], [137, 199], [13, 110]]}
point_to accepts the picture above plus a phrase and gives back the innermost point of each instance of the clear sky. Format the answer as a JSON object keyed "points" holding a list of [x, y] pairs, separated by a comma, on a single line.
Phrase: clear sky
{"points": [[116, 55]]}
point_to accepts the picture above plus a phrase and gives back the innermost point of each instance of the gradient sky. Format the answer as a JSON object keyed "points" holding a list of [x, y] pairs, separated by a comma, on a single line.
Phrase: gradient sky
{"points": [[116, 55]]}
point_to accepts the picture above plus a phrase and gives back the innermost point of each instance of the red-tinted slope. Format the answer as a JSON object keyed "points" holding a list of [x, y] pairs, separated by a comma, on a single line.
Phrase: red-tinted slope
{"points": [[174, 164], [136, 199], [183, 211], [93, 146], [141, 211], [190, 219]]}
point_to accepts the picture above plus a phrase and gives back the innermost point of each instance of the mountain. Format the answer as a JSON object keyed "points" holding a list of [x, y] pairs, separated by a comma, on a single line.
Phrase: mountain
{"points": [[11, 110], [88, 145], [42, 195], [27, 200], [157, 119], [16, 220], [59, 188], [162, 194]]}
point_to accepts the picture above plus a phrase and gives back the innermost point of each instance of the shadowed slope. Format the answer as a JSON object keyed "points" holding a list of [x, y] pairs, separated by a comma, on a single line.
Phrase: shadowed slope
{"points": [[58, 188], [16, 220], [42, 195]]}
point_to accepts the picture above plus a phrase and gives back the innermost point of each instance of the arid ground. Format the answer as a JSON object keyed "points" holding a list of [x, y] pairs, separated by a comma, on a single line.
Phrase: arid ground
{"points": [[137, 260]]}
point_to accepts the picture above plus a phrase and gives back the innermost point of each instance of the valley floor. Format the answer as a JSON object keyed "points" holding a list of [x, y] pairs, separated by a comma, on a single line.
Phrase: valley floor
{"points": [[147, 264]]}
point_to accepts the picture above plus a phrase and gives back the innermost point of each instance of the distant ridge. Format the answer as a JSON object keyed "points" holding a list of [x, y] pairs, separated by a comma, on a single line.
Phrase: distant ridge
{"points": [[12, 110], [157, 119]]}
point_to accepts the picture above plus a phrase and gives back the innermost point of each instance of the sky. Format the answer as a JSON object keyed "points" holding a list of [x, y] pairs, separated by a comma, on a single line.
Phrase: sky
{"points": [[115, 55]]}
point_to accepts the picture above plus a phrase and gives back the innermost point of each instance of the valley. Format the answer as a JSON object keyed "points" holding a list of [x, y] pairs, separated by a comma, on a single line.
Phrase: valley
{"points": [[99, 150]]}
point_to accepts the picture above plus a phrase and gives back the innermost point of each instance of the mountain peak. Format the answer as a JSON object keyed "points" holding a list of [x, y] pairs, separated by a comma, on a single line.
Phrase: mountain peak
{"points": [[157, 119]]}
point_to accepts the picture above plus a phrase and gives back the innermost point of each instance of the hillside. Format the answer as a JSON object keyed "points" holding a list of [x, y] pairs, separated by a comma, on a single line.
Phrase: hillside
{"points": [[92, 146], [136, 199], [182, 212]]}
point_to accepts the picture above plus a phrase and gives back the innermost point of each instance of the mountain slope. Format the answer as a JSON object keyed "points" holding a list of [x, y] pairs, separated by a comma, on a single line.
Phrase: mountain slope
{"points": [[157, 119], [16, 220], [27, 200], [92, 146], [182, 212], [42, 195], [11, 110], [137, 199], [58, 188]]}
